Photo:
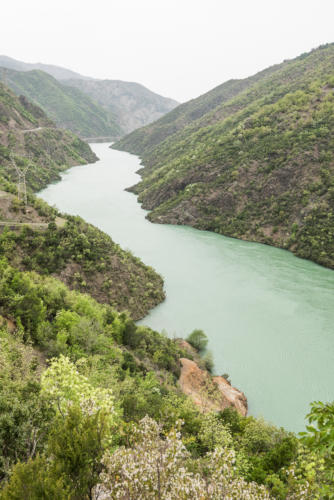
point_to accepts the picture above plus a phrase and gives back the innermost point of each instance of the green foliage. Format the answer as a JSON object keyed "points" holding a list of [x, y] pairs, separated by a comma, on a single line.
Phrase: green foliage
{"points": [[25, 414], [76, 445], [58, 421], [208, 361], [89, 257], [52, 150], [67, 106], [198, 340], [320, 438], [32, 480], [65, 386], [252, 159]]}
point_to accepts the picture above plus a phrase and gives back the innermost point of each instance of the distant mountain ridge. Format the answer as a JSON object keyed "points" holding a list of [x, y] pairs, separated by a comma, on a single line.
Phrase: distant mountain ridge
{"points": [[56, 71], [133, 104], [252, 159], [115, 107]]}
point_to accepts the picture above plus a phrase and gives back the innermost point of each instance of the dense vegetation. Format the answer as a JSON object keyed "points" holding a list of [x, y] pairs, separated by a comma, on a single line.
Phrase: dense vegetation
{"points": [[81, 391], [252, 159], [25, 131], [90, 406], [67, 106], [40, 239], [82, 256]]}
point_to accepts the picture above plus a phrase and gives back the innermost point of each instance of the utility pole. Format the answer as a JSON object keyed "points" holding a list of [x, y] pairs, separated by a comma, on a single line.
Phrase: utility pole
{"points": [[21, 185]]}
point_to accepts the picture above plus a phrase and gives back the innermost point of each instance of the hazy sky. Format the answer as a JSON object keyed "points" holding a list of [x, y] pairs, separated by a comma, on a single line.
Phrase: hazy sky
{"points": [[178, 48]]}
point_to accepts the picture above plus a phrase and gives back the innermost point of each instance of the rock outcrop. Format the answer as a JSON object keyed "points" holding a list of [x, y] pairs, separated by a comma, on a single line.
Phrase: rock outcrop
{"points": [[209, 393]]}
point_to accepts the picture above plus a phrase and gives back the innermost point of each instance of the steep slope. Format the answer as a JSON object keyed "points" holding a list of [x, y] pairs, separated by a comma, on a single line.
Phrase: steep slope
{"points": [[259, 166], [25, 131], [132, 104], [80, 383], [144, 139], [56, 71], [232, 96], [38, 238], [67, 106]]}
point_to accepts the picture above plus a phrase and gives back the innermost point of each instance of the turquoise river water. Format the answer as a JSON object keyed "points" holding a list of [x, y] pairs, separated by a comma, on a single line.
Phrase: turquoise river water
{"points": [[269, 316]]}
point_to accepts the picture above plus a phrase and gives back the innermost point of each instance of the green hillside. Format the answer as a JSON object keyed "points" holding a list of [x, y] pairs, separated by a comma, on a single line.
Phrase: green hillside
{"points": [[38, 238], [257, 166], [90, 401], [68, 107], [91, 404], [25, 131]]}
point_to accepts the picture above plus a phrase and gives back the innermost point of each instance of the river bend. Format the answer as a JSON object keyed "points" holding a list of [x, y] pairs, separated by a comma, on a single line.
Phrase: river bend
{"points": [[269, 316]]}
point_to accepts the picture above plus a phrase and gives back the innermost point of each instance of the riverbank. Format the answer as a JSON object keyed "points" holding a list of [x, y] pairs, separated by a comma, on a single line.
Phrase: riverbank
{"points": [[268, 315]]}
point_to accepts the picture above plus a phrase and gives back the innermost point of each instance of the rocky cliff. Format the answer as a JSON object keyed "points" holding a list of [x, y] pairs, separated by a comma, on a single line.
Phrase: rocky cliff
{"points": [[209, 393]]}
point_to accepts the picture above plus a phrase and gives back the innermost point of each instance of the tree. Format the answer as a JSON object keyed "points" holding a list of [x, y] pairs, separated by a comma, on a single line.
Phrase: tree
{"points": [[155, 467], [198, 340], [76, 445], [320, 438], [32, 480]]}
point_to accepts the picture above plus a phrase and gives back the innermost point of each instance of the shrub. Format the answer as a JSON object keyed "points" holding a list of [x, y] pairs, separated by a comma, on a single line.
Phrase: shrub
{"points": [[198, 340]]}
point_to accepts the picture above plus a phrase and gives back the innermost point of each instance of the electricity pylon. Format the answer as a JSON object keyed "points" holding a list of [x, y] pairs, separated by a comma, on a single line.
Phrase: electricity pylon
{"points": [[21, 185]]}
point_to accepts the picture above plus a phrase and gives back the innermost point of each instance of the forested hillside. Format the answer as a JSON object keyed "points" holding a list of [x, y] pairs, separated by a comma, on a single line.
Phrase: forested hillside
{"points": [[38, 238], [30, 137], [90, 406], [67, 106], [252, 159]]}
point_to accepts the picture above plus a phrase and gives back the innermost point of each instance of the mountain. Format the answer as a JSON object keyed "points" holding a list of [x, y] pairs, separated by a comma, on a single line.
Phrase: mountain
{"points": [[252, 159], [25, 130], [132, 104], [56, 71], [67, 106], [93, 404], [126, 105]]}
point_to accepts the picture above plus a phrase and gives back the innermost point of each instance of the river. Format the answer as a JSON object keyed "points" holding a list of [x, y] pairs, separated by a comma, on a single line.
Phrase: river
{"points": [[268, 315]]}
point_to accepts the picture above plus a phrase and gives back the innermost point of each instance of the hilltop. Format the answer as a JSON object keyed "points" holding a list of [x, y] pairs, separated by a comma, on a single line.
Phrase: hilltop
{"points": [[57, 72], [252, 159]]}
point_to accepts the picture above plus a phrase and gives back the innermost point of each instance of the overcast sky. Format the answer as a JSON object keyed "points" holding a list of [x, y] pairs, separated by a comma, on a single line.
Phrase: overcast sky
{"points": [[178, 48]]}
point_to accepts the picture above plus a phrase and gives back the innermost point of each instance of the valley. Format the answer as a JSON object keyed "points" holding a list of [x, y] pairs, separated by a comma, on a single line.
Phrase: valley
{"points": [[267, 327], [166, 301]]}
